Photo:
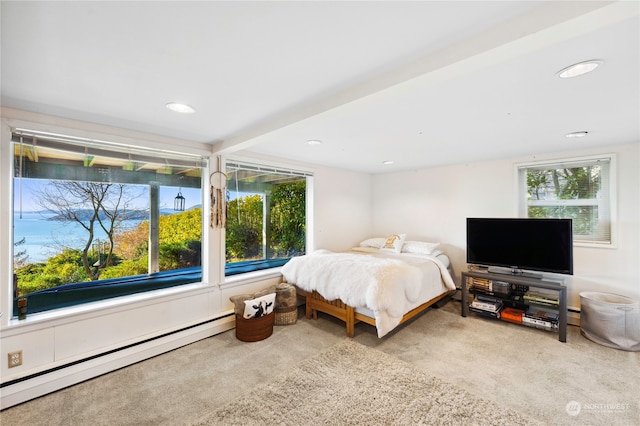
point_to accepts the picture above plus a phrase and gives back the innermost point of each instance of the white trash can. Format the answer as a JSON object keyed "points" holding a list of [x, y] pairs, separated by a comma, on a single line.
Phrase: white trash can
{"points": [[610, 320]]}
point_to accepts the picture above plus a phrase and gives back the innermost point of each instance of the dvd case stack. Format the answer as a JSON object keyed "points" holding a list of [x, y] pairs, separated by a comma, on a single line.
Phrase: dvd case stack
{"points": [[540, 319], [487, 306], [536, 303], [483, 285], [545, 298], [497, 299]]}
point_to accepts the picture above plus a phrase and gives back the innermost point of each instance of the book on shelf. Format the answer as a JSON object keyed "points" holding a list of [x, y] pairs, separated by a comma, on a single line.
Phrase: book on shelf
{"points": [[483, 312], [545, 325], [542, 298], [542, 315], [482, 287], [541, 319], [490, 286], [481, 284], [487, 306], [488, 299]]}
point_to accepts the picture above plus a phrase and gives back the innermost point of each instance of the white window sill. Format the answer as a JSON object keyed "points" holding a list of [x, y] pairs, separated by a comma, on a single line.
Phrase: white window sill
{"points": [[251, 277], [587, 244], [107, 306]]}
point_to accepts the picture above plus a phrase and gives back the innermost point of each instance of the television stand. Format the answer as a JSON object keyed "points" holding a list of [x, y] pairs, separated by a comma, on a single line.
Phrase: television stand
{"points": [[515, 272], [516, 299]]}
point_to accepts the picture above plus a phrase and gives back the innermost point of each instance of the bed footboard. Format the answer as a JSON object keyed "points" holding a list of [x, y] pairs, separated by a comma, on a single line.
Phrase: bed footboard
{"points": [[335, 308], [338, 309]]}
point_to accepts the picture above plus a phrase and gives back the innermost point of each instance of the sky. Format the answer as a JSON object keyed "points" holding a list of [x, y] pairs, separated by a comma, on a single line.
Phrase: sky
{"points": [[192, 196]]}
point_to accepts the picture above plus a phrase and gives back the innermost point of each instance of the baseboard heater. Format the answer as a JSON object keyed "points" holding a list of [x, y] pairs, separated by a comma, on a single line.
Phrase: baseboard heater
{"points": [[140, 343]]}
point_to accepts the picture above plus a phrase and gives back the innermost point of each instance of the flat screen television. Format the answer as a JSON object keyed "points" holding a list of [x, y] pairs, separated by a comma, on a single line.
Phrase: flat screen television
{"points": [[544, 245]]}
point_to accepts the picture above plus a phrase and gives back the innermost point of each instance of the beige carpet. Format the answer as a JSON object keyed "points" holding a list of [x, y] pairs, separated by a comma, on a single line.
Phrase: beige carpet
{"points": [[352, 384]]}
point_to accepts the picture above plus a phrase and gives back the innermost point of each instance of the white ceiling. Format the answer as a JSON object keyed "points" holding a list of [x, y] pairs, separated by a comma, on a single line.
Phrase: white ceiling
{"points": [[422, 83]]}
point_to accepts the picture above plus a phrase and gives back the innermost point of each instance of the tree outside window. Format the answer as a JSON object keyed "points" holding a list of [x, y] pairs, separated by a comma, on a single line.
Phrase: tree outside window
{"points": [[266, 215], [579, 190]]}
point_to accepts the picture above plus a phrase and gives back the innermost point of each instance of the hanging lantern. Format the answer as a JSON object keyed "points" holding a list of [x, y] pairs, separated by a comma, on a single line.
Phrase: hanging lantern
{"points": [[178, 202]]}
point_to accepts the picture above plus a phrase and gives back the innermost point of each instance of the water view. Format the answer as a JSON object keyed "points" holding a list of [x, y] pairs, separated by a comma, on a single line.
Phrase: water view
{"points": [[45, 237]]}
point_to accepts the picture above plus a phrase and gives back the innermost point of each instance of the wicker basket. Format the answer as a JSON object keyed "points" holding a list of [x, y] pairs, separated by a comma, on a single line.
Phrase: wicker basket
{"points": [[286, 309], [254, 329], [286, 316]]}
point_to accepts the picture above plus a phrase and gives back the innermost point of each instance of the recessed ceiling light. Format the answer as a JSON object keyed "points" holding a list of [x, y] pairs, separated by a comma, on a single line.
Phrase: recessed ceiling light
{"points": [[182, 108], [387, 162], [580, 134], [314, 142], [579, 68]]}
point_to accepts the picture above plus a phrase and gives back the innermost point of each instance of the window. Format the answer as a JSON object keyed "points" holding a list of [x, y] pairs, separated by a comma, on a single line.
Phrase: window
{"points": [[266, 216], [579, 189], [95, 220]]}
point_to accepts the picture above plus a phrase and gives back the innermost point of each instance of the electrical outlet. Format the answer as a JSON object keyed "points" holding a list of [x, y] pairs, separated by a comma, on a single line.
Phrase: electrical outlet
{"points": [[15, 359]]}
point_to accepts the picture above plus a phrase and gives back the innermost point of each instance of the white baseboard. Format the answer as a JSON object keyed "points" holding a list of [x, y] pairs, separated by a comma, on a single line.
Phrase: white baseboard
{"points": [[573, 316], [57, 379]]}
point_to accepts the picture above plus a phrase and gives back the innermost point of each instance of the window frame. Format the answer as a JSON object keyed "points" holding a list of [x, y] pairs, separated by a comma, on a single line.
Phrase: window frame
{"points": [[151, 282], [266, 271], [523, 203]]}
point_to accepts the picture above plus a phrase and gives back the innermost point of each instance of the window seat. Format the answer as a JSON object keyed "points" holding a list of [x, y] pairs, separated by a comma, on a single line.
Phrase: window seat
{"points": [[91, 291]]}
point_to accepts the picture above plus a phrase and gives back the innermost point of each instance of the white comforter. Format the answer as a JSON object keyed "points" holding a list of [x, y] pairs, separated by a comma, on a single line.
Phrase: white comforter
{"points": [[387, 284]]}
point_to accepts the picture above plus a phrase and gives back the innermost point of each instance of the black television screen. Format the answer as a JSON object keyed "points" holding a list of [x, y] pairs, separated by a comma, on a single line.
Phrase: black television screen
{"points": [[544, 245]]}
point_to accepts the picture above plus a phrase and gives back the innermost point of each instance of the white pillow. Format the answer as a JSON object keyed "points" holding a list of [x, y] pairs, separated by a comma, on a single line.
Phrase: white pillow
{"points": [[393, 243], [365, 249], [258, 307], [373, 242], [437, 253], [419, 247]]}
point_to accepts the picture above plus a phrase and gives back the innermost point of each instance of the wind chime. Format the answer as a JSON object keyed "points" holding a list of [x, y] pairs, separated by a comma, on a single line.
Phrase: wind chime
{"points": [[218, 183]]}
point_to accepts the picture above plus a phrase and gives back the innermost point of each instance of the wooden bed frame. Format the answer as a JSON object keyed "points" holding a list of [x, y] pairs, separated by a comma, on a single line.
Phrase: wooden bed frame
{"points": [[336, 308]]}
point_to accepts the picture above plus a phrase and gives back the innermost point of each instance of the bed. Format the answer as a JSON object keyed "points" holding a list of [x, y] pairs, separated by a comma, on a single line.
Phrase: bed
{"points": [[371, 285]]}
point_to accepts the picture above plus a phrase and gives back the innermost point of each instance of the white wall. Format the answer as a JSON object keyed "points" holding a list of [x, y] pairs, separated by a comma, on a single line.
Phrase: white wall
{"points": [[342, 209], [432, 204]]}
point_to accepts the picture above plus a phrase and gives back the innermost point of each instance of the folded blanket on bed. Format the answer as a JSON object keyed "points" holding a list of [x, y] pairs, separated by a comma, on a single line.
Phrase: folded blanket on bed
{"points": [[384, 285]]}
